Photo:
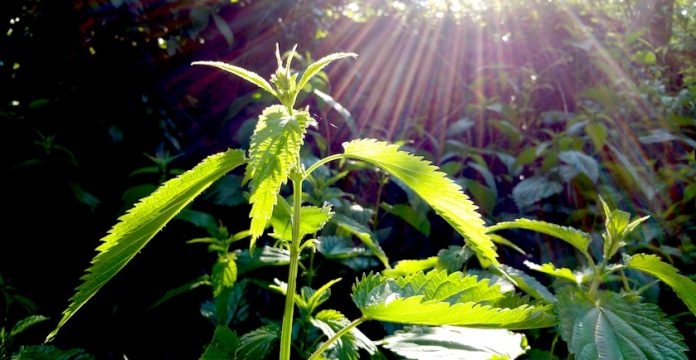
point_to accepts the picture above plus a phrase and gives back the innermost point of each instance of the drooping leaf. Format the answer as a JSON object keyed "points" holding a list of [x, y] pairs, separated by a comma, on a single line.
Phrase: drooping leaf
{"points": [[273, 152], [529, 284], [405, 267], [195, 283], [347, 346], [223, 346], [682, 285], [364, 234], [453, 258], [318, 65], [26, 323], [579, 239], [432, 185], [533, 189], [616, 327], [245, 74], [581, 163], [418, 220], [224, 275], [258, 343], [455, 343], [135, 229], [266, 256], [550, 269], [438, 299]]}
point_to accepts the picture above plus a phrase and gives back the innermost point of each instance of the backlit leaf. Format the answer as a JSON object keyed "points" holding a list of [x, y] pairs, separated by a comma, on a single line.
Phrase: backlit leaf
{"points": [[682, 285], [245, 74], [318, 65], [432, 185], [579, 239], [135, 229]]}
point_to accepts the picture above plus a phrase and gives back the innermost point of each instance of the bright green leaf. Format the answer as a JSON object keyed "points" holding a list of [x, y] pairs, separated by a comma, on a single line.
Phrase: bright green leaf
{"points": [[313, 220], [273, 152], [432, 186], [135, 229], [347, 346], [438, 299], [245, 74], [405, 267], [26, 323], [224, 275], [682, 285], [579, 239], [614, 327], [318, 65]]}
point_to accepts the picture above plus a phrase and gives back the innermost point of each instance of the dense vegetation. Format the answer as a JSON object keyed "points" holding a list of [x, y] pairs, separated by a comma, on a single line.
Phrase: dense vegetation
{"points": [[570, 113]]}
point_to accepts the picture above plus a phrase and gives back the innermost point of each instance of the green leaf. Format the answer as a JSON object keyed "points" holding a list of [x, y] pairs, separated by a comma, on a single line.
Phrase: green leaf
{"points": [[438, 299], [48, 352], [245, 74], [135, 229], [364, 234], [579, 239], [455, 343], [550, 269], [533, 189], [581, 163], [26, 323], [618, 226], [347, 346], [503, 241], [318, 65], [682, 285], [529, 284], [432, 185], [319, 296], [416, 219], [224, 275], [405, 267], [195, 283], [223, 346], [615, 327], [313, 219], [453, 258], [339, 248], [598, 133], [267, 256], [274, 151], [258, 344], [347, 117]]}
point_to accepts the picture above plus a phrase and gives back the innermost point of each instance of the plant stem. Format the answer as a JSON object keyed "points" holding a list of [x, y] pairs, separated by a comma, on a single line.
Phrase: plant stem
{"points": [[286, 334], [336, 336], [322, 162]]}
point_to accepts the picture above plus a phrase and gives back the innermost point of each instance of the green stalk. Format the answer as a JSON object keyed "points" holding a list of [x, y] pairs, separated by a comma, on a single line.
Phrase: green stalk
{"points": [[336, 336], [286, 334]]}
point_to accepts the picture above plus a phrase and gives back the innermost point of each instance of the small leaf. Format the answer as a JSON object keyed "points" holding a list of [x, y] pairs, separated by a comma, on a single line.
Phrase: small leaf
{"points": [[550, 269], [140, 224], [318, 65], [313, 220], [258, 344], [247, 75], [195, 283], [529, 284], [26, 323], [533, 189], [348, 345], [416, 219], [682, 285], [438, 299], [615, 327], [223, 346], [582, 163], [579, 239], [267, 256], [364, 234], [224, 275], [455, 343], [453, 258], [433, 186], [274, 150], [405, 267]]}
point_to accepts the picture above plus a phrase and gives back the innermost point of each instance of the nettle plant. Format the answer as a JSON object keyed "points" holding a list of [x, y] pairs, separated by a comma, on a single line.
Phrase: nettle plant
{"points": [[450, 313]]}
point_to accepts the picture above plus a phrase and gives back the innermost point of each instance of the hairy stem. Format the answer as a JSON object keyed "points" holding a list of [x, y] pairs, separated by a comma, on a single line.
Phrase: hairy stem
{"points": [[286, 334], [336, 336]]}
